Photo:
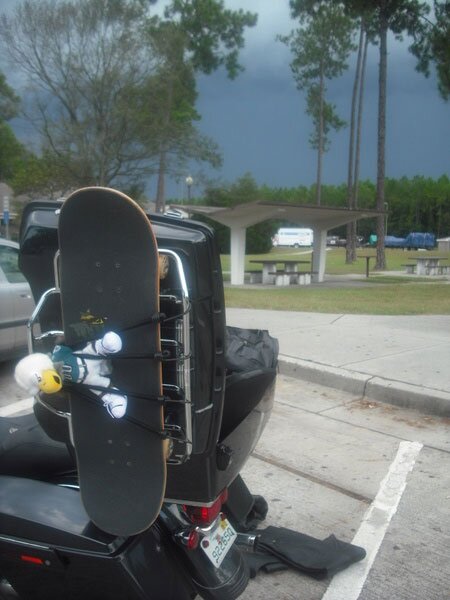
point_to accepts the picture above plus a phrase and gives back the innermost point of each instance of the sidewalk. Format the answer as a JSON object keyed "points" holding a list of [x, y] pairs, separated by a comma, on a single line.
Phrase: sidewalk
{"points": [[403, 360]]}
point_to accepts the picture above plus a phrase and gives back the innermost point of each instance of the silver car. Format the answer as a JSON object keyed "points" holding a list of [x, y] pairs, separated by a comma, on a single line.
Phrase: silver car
{"points": [[16, 303]]}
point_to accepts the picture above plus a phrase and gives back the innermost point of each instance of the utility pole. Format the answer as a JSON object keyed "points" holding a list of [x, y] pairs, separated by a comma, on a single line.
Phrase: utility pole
{"points": [[6, 215]]}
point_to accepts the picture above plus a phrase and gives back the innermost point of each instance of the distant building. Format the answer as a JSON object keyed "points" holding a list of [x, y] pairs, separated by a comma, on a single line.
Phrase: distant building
{"points": [[443, 244]]}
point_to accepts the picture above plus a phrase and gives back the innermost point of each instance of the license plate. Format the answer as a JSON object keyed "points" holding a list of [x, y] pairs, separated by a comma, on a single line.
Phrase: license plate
{"points": [[218, 542]]}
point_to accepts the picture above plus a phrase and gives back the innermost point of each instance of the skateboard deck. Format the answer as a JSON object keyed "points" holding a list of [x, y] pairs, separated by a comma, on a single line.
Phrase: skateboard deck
{"points": [[109, 280]]}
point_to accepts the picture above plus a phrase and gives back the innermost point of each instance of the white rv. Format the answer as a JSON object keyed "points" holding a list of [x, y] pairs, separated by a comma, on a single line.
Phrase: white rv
{"points": [[292, 236]]}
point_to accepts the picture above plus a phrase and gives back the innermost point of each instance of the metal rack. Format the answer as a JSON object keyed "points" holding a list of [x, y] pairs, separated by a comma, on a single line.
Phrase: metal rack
{"points": [[175, 334], [175, 341]]}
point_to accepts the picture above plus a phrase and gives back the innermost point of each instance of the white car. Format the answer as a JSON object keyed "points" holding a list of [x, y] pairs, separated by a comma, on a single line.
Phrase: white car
{"points": [[16, 303]]}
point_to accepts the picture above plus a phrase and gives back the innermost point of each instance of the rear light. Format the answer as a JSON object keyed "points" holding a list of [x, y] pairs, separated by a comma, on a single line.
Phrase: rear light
{"points": [[189, 538], [203, 516], [35, 560], [193, 540]]}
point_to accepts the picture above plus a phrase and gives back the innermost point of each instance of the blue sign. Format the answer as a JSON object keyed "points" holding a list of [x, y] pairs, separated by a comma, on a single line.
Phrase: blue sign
{"points": [[6, 217]]}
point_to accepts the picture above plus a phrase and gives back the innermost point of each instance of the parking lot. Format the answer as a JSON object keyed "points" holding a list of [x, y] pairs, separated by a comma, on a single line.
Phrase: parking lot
{"points": [[321, 464]]}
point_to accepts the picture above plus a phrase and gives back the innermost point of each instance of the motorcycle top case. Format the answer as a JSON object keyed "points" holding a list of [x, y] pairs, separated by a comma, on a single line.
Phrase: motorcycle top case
{"points": [[217, 454], [194, 243]]}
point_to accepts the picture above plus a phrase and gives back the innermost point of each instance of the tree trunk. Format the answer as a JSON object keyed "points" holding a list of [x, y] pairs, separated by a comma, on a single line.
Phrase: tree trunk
{"points": [[359, 124], [381, 158], [160, 203], [358, 137], [350, 250], [320, 140]]}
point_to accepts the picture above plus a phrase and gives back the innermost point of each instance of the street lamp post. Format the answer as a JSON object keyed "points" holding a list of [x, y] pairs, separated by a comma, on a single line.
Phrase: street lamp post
{"points": [[189, 182]]}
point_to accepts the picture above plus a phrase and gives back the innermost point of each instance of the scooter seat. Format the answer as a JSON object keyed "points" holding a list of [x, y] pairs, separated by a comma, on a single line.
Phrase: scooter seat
{"points": [[27, 451]]}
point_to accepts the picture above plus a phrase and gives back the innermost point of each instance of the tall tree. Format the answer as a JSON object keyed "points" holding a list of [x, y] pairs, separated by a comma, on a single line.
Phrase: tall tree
{"points": [[84, 60], [351, 228], [432, 46], [396, 16], [359, 123], [197, 36], [356, 111], [320, 48], [113, 103], [214, 34], [171, 96]]}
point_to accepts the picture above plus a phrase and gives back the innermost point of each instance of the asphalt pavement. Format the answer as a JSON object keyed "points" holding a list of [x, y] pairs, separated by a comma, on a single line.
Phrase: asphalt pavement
{"points": [[327, 465], [402, 360], [357, 461]]}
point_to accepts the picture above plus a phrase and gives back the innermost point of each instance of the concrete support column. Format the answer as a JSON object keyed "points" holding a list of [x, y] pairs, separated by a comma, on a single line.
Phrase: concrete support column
{"points": [[319, 255], [237, 252]]}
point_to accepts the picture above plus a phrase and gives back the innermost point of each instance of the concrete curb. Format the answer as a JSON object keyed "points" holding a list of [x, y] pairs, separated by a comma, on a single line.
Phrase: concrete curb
{"points": [[426, 400], [348, 381]]}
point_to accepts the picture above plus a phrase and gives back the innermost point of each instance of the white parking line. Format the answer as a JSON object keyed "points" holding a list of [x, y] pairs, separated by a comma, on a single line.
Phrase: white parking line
{"points": [[16, 407], [348, 584]]}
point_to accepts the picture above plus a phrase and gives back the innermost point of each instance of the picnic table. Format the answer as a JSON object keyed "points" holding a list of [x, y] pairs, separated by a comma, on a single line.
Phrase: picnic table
{"points": [[289, 274], [430, 265]]}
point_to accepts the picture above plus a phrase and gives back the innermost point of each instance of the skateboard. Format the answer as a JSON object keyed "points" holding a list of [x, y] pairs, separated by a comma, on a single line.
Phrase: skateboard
{"points": [[109, 280]]}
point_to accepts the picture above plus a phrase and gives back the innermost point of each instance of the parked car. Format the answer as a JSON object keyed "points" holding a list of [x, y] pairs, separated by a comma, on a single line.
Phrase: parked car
{"points": [[337, 242], [16, 302], [332, 240]]}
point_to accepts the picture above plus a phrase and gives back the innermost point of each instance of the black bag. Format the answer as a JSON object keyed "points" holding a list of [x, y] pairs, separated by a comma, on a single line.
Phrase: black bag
{"points": [[250, 349], [278, 548]]}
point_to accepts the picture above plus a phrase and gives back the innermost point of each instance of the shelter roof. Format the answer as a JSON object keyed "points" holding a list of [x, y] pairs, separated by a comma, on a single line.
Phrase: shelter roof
{"points": [[244, 215]]}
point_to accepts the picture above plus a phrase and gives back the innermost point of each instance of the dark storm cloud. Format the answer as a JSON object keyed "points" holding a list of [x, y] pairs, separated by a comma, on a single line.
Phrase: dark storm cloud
{"points": [[259, 119], [260, 123]]}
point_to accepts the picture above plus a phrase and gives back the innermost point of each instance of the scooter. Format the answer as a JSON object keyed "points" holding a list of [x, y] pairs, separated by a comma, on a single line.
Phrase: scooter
{"points": [[49, 548]]}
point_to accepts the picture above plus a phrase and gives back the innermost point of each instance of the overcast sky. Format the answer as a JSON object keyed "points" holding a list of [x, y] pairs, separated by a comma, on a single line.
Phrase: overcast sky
{"points": [[260, 123], [259, 119]]}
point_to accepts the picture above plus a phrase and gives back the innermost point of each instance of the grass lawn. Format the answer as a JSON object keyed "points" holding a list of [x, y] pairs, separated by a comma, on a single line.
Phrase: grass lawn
{"points": [[391, 299], [383, 295]]}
